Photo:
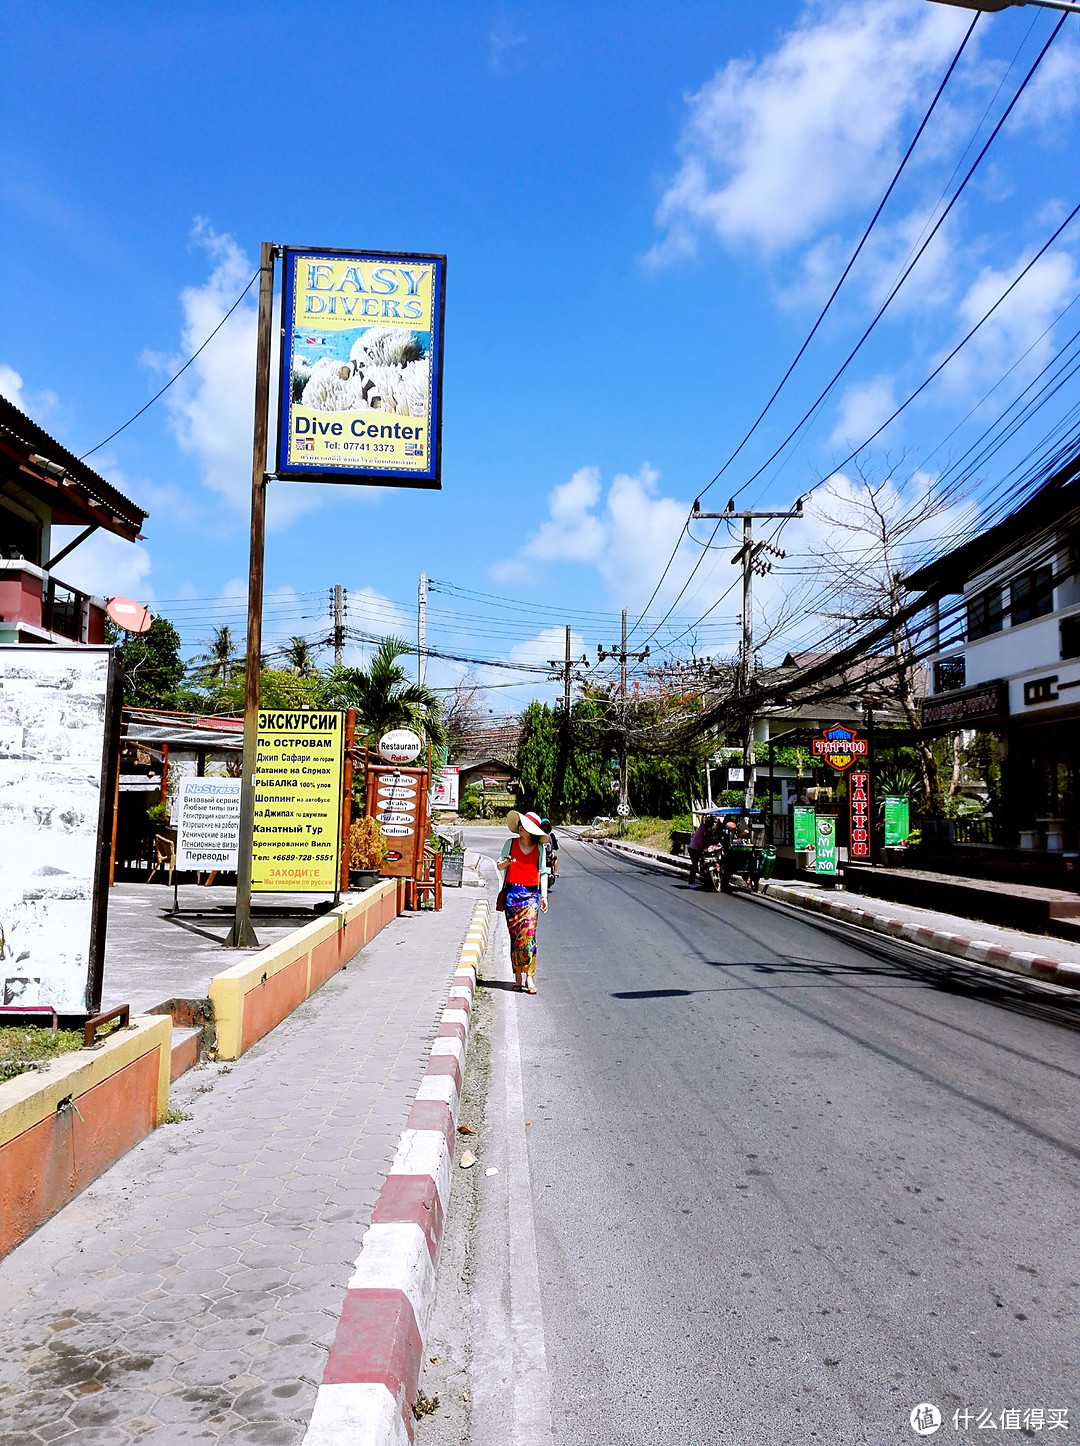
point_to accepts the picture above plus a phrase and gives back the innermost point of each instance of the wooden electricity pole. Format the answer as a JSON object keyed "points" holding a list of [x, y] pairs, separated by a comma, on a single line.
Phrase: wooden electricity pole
{"points": [[622, 655], [243, 935], [748, 555]]}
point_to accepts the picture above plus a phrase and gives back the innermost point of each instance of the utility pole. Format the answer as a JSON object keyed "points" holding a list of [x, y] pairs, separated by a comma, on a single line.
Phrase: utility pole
{"points": [[565, 672], [339, 623], [421, 631], [749, 556], [622, 655]]}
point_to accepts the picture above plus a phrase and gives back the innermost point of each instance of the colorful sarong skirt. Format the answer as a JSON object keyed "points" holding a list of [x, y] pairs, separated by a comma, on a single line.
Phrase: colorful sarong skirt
{"points": [[522, 910]]}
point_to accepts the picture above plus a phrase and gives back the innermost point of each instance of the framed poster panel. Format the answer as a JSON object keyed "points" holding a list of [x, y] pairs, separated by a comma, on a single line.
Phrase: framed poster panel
{"points": [[59, 737]]}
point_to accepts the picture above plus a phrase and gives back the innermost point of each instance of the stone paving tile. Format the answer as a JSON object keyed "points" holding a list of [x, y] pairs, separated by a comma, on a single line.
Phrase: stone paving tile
{"points": [[192, 1293]]}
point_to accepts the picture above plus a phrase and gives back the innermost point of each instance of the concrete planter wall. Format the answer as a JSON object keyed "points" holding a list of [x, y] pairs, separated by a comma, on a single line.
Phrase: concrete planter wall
{"points": [[61, 1127]]}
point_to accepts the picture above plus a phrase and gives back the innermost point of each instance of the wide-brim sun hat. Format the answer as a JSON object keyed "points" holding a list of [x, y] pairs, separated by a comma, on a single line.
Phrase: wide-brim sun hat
{"points": [[529, 821]]}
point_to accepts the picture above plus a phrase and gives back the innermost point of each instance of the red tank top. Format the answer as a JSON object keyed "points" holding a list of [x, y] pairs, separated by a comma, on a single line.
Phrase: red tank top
{"points": [[524, 868]]}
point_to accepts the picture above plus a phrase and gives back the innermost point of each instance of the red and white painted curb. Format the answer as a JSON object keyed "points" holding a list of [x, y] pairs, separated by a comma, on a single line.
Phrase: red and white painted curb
{"points": [[373, 1371], [978, 951]]}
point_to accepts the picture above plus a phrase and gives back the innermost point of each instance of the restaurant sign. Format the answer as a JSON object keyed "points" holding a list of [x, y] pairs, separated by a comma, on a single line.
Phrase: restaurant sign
{"points": [[839, 747]]}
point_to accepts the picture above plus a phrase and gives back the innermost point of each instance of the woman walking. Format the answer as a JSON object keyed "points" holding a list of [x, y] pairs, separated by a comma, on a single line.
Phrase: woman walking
{"points": [[523, 865]]}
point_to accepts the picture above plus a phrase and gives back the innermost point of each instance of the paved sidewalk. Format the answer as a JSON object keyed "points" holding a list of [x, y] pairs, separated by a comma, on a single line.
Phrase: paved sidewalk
{"points": [[192, 1292]]}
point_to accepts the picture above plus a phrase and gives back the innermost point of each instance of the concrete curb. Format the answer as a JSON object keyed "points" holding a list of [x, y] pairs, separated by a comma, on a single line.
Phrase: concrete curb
{"points": [[976, 951], [373, 1371]]}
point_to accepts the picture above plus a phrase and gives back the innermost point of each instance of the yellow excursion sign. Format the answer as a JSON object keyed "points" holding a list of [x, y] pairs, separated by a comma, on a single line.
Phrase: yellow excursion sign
{"points": [[297, 833], [361, 367]]}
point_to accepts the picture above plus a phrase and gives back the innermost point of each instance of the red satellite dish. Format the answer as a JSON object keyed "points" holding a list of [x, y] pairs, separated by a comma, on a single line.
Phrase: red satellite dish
{"points": [[129, 615]]}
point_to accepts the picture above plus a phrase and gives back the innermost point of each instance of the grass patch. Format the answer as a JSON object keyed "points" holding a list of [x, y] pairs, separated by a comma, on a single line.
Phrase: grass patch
{"points": [[25, 1047], [176, 1117], [654, 833]]}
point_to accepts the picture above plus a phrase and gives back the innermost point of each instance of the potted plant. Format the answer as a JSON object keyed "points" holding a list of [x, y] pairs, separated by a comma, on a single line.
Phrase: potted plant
{"points": [[367, 853]]}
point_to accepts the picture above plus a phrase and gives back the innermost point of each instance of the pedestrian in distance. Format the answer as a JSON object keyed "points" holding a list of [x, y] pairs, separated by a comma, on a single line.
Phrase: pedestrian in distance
{"points": [[523, 865], [696, 847], [551, 851]]}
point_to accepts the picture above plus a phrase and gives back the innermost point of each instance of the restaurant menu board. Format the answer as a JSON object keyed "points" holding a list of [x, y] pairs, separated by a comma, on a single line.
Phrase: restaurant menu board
{"points": [[897, 820], [805, 831], [56, 713], [397, 797], [208, 824], [297, 827]]}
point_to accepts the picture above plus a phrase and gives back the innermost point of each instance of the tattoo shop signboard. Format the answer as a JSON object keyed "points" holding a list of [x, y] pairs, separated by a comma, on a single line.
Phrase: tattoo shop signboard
{"points": [[297, 835], [361, 367], [59, 718]]}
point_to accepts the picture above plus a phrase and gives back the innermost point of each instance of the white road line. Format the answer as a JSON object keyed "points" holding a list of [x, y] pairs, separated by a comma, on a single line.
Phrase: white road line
{"points": [[532, 1398]]}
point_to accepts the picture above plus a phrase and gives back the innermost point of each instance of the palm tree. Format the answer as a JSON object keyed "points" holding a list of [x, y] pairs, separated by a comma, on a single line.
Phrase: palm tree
{"points": [[299, 657], [220, 663], [383, 696]]}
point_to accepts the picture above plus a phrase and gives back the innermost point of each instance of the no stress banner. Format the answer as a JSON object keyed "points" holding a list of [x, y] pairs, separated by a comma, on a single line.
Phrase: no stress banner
{"points": [[361, 369]]}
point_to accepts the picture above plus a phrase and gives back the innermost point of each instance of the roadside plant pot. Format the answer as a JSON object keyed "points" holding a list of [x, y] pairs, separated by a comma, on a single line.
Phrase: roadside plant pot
{"points": [[895, 855], [361, 879]]}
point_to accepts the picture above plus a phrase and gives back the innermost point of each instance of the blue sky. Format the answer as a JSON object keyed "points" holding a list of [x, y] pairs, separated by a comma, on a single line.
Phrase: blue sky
{"points": [[642, 211]]}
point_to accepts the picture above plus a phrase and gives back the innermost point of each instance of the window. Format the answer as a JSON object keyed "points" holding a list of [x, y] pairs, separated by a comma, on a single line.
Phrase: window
{"points": [[1070, 636], [19, 536], [985, 613], [949, 674], [1032, 595]]}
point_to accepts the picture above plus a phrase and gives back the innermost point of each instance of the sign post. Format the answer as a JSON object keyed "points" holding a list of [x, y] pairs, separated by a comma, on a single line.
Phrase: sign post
{"points": [[360, 400], [859, 815], [243, 935]]}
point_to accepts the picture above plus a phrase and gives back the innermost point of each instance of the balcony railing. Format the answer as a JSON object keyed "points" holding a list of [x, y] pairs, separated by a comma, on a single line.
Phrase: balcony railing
{"points": [[62, 610]]}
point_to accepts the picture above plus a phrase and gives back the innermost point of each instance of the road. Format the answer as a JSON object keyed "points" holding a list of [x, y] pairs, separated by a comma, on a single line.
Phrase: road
{"points": [[782, 1182]]}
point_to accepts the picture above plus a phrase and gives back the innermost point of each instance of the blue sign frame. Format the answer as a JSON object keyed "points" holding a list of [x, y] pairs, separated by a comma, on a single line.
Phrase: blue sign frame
{"points": [[355, 468]]}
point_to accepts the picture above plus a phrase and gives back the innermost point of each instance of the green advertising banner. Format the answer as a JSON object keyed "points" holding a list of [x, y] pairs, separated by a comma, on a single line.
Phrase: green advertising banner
{"points": [[825, 854], [804, 827], [897, 820]]}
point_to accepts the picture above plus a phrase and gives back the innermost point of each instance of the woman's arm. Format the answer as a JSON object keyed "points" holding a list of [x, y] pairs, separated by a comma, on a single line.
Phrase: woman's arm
{"points": [[502, 863]]}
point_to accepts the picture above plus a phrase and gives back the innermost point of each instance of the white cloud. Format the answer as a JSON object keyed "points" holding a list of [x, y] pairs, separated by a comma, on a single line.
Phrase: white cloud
{"points": [[626, 536], [34, 404], [1055, 88], [775, 150], [862, 410], [212, 405], [105, 565], [549, 644], [1018, 325]]}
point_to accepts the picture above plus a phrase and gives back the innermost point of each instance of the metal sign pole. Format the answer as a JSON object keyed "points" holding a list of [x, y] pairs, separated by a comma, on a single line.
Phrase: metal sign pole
{"points": [[243, 935]]}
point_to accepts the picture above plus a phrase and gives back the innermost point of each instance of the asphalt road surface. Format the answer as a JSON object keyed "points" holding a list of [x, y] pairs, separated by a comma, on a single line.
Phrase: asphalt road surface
{"points": [[787, 1182]]}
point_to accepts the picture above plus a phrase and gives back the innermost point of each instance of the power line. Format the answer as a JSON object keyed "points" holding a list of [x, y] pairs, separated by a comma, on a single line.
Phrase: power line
{"points": [[825, 309], [179, 374]]}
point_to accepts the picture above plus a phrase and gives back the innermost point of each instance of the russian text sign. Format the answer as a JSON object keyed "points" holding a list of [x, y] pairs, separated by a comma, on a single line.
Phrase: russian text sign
{"points": [[361, 367], [208, 824], [297, 802]]}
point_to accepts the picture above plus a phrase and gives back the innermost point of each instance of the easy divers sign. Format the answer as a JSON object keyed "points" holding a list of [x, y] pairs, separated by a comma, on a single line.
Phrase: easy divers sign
{"points": [[361, 367]]}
